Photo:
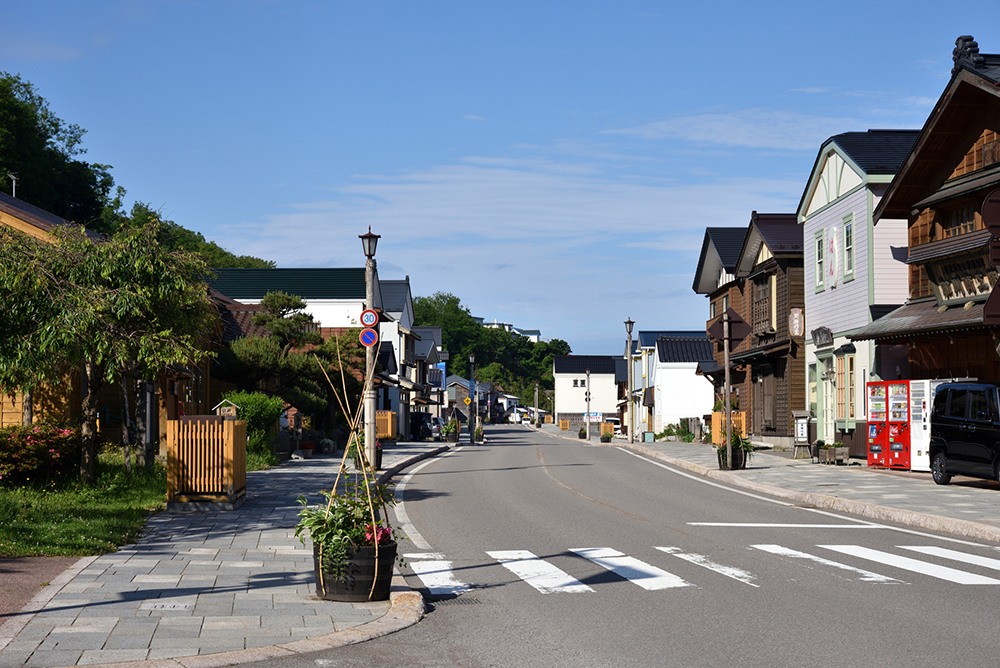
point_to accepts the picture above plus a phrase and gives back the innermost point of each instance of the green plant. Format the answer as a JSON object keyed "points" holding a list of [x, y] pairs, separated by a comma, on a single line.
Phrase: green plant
{"points": [[450, 427], [739, 442], [479, 433], [837, 444], [820, 443], [37, 452], [583, 432], [259, 410]]}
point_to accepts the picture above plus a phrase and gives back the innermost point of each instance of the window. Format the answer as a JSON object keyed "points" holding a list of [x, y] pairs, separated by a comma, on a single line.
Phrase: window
{"points": [[840, 385], [725, 303], [956, 407], [849, 247], [820, 245], [979, 409], [959, 221], [850, 388], [576, 383], [583, 383], [812, 389], [762, 314], [711, 310]]}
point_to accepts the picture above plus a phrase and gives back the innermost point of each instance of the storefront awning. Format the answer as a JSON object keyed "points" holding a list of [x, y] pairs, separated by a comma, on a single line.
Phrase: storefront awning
{"points": [[924, 317]]}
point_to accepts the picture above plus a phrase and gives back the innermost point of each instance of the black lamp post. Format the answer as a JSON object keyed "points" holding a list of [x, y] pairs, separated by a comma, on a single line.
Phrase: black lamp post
{"points": [[475, 398], [368, 243]]}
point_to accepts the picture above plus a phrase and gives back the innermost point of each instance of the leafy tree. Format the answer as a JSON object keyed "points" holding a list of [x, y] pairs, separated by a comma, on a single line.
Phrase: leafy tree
{"points": [[459, 330], [41, 149], [127, 304]]}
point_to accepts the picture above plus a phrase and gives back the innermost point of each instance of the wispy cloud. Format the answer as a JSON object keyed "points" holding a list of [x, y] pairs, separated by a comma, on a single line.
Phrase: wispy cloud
{"points": [[473, 117], [750, 128], [34, 48]]}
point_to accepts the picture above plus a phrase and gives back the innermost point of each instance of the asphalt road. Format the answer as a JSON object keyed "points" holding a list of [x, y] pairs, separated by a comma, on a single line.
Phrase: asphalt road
{"points": [[664, 568]]}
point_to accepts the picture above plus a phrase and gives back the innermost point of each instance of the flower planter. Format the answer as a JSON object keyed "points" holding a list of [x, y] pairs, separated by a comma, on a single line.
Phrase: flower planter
{"points": [[358, 574], [451, 438], [834, 455], [739, 459]]}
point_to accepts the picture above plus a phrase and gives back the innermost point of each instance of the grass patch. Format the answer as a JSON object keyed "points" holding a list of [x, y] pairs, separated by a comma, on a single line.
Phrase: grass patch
{"points": [[63, 518]]}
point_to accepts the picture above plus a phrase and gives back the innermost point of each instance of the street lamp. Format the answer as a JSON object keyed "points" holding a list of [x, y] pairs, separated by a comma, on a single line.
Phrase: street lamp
{"points": [[368, 242], [628, 356], [587, 396], [475, 398]]}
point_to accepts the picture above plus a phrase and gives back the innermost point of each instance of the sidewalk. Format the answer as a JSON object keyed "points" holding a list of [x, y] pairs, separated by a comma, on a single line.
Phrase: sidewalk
{"points": [[203, 589], [967, 507]]}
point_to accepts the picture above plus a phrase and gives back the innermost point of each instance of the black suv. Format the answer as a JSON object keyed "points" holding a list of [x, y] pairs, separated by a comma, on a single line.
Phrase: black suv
{"points": [[965, 431]]}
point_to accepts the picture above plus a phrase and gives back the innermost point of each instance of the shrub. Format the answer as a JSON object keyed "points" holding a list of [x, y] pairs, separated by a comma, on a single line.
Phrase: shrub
{"points": [[37, 453], [260, 410]]}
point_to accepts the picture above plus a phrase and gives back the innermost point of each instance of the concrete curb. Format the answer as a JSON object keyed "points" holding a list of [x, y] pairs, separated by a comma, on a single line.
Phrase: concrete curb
{"points": [[407, 608], [949, 525]]}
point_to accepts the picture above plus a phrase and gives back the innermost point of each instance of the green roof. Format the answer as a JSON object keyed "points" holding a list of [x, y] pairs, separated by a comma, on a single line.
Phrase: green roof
{"points": [[332, 283]]}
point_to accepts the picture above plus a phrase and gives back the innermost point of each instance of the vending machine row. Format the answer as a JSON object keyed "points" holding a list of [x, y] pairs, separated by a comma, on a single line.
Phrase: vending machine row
{"points": [[899, 426]]}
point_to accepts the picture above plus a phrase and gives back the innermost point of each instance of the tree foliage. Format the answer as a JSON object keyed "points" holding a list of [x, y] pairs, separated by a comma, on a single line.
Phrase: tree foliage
{"points": [[124, 304], [507, 359], [42, 149]]}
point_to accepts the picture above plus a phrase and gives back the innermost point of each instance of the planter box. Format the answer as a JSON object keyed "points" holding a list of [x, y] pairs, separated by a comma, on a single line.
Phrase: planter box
{"points": [[834, 455], [451, 438], [355, 583]]}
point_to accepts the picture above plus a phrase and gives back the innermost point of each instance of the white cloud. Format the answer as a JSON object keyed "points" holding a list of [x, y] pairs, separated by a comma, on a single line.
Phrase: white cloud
{"points": [[750, 128], [473, 117]]}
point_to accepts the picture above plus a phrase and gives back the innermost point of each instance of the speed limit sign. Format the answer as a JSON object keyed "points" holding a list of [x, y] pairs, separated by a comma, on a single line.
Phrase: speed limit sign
{"points": [[369, 318]]}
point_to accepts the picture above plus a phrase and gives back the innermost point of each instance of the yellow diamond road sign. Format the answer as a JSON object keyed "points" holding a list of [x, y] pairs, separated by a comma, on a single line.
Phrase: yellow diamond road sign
{"points": [[468, 401]]}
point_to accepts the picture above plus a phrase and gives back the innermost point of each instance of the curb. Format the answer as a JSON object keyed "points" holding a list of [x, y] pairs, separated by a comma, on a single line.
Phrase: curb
{"points": [[407, 608], [955, 527]]}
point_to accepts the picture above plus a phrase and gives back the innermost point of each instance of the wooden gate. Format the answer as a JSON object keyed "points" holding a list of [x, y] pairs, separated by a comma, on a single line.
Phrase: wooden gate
{"points": [[718, 417], [206, 460]]}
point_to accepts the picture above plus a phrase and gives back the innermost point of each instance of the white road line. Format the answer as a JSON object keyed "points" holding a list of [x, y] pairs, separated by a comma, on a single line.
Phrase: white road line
{"points": [[400, 510], [781, 551], [637, 572], [705, 562], [438, 577], [914, 565], [541, 575], [945, 553], [770, 525]]}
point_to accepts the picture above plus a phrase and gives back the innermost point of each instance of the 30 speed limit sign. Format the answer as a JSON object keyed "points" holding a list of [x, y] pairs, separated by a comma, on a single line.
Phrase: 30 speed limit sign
{"points": [[369, 318]]}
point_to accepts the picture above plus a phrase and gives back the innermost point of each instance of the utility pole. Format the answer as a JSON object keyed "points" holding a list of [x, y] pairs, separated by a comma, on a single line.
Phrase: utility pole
{"points": [[587, 396], [368, 242], [728, 426], [628, 356], [536, 405]]}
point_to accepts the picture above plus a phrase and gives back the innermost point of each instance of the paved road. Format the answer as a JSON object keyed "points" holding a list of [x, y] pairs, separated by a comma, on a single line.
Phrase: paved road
{"points": [[538, 551]]}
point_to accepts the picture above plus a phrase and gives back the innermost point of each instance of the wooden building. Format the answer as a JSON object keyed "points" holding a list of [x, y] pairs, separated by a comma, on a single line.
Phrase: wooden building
{"points": [[939, 190]]}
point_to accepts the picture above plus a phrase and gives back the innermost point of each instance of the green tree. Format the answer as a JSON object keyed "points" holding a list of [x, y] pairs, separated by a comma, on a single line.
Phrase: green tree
{"points": [[459, 330], [124, 304], [41, 149]]}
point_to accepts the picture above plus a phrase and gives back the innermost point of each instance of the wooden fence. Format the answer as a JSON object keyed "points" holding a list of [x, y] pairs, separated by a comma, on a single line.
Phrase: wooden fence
{"points": [[718, 417], [206, 460], [385, 426]]}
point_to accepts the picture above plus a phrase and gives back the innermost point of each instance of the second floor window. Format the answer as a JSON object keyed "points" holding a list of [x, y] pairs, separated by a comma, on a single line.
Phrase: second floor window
{"points": [[763, 323], [820, 242], [848, 247], [959, 221]]}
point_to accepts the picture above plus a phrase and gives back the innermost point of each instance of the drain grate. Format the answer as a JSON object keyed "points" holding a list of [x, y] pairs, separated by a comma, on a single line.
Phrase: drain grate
{"points": [[461, 600]]}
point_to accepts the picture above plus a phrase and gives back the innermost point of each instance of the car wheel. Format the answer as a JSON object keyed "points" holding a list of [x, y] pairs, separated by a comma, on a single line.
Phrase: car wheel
{"points": [[939, 469]]}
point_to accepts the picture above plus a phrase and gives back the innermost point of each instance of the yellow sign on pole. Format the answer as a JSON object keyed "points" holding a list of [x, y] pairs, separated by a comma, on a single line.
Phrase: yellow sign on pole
{"points": [[468, 401]]}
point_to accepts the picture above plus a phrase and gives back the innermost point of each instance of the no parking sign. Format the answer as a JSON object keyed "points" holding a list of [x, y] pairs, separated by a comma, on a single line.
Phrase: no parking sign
{"points": [[368, 337]]}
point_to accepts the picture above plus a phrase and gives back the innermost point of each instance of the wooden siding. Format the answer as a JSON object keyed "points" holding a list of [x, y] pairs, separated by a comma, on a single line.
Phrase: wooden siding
{"points": [[963, 355], [973, 158], [889, 269], [845, 306]]}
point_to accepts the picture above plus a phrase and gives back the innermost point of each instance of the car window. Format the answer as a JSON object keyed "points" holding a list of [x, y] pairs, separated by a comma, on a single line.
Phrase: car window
{"points": [[978, 408], [956, 407], [941, 402]]}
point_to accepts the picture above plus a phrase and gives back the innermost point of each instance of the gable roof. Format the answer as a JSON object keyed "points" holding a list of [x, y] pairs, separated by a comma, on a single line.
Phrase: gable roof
{"points": [[922, 178], [598, 364], [395, 294], [780, 232], [876, 153], [719, 252], [320, 283], [35, 217], [697, 348], [648, 339]]}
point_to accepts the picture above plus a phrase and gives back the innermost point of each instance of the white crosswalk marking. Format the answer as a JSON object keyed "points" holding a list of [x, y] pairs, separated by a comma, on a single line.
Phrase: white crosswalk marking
{"points": [[435, 573], [705, 562], [638, 572], [541, 575], [914, 565], [944, 553], [781, 551]]}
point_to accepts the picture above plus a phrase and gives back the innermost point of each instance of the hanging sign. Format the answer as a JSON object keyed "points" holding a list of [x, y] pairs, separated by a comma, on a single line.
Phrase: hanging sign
{"points": [[369, 318], [368, 337]]}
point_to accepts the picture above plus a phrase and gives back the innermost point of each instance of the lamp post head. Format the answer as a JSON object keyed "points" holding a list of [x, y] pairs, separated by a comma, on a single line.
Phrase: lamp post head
{"points": [[368, 242], [628, 326], [472, 358]]}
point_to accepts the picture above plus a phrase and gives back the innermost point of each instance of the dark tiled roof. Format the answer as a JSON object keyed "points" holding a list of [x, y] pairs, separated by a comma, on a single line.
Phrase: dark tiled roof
{"points": [[648, 339], [684, 348], [598, 364], [325, 283], [721, 246], [876, 151], [394, 294], [780, 231], [236, 317], [40, 218], [426, 333], [621, 370], [956, 245]]}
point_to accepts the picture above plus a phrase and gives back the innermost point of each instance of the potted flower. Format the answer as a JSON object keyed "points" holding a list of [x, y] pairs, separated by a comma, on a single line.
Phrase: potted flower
{"points": [[478, 435], [582, 433], [742, 451], [306, 449], [450, 431], [605, 438], [832, 453]]}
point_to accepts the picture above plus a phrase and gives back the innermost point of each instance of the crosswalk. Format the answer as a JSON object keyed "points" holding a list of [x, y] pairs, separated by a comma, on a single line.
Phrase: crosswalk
{"points": [[440, 578]]}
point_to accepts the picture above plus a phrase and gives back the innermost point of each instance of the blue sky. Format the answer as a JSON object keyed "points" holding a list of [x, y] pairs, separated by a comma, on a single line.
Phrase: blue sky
{"points": [[554, 164]]}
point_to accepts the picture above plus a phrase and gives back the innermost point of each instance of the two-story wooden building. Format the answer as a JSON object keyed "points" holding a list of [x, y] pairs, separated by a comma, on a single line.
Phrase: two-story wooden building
{"points": [[939, 190]]}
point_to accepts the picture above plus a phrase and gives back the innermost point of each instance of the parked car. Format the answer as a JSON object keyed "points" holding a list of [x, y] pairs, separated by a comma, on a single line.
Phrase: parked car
{"points": [[437, 427], [420, 426], [616, 423], [965, 431], [526, 419]]}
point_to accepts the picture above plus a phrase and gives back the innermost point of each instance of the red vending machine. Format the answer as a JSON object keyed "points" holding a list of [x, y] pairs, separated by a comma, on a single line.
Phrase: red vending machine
{"points": [[898, 455], [878, 432]]}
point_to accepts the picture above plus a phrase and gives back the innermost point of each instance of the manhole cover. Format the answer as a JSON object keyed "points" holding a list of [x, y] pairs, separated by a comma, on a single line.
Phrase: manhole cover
{"points": [[461, 600]]}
